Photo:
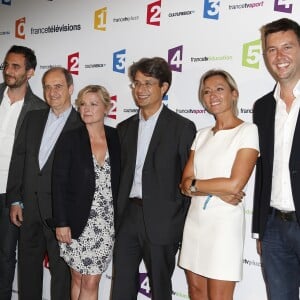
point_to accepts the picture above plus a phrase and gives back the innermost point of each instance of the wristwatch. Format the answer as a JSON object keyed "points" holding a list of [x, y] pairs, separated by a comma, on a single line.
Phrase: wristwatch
{"points": [[193, 188]]}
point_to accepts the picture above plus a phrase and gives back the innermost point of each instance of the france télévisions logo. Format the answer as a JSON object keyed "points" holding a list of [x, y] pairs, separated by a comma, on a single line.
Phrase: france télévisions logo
{"points": [[211, 9], [175, 58], [285, 6], [6, 2], [20, 28], [73, 63], [153, 13], [100, 17], [119, 59]]}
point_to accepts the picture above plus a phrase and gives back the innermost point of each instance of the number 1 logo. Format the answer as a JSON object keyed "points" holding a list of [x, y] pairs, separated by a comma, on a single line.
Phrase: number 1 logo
{"points": [[100, 19]]}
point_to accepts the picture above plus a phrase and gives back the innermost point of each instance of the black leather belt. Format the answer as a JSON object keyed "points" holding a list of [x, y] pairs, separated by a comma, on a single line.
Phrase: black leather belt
{"points": [[137, 201], [287, 216]]}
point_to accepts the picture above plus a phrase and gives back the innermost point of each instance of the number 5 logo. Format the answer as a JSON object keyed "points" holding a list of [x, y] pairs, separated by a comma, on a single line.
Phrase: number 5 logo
{"points": [[251, 54]]}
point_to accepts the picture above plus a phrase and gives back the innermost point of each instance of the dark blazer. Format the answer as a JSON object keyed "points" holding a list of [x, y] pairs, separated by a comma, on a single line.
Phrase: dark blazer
{"points": [[26, 181], [31, 102], [164, 207], [73, 180], [264, 118]]}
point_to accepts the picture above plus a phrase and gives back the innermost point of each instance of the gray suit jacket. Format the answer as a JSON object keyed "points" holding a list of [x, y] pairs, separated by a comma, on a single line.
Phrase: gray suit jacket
{"points": [[164, 206]]}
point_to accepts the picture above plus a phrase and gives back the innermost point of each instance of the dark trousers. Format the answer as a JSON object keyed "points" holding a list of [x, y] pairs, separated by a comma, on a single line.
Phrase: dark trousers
{"points": [[37, 239], [8, 243], [132, 245], [281, 258]]}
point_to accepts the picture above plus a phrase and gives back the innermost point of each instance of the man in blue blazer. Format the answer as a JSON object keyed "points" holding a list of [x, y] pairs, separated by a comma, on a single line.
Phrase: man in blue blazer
{"points": [[155, 145], [276, 213], [29, 182]]}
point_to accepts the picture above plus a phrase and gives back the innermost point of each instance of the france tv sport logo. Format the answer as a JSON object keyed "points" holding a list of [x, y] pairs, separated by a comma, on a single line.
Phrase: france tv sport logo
{"points": [[6, 2], [211, 9], [285, 6], [119, 58], [20, 28], [153, 13], [73, 63], [100, 17]]}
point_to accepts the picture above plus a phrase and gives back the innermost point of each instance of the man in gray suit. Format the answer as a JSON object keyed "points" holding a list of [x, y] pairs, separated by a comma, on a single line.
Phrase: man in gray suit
{"points": [[155, 144], [29, 182], [16, 99]]}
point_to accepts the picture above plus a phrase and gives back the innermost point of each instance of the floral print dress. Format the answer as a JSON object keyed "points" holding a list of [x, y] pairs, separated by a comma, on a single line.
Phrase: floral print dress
{"points": [[91, 253]]}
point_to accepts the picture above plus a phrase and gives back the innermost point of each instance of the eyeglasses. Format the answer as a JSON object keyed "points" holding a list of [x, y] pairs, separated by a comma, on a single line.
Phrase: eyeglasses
{"points": [[148, 85]]}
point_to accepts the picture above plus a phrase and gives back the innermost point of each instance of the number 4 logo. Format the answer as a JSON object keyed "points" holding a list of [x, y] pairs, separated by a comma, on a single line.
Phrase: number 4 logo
{"points": [[145, 285], [285, 6], [175, 58], [251, 54]]}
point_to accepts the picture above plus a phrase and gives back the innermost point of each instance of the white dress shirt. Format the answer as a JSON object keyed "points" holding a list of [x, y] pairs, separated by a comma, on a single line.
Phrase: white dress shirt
{"points": [[285, 123], [9, 114]]}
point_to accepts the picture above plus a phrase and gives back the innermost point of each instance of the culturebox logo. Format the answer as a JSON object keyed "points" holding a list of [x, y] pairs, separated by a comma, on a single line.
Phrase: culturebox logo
{"points": [[154, 13], [211, 9], [119, 59], [20, 28], [175, 58], [252, 53], [285, 6], [100, 19], [113, 112], [73, 63]]}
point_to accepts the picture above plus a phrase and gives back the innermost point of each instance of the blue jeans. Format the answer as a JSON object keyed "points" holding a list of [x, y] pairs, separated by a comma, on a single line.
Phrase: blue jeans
{"points": [[281, 259], [8, 242]]}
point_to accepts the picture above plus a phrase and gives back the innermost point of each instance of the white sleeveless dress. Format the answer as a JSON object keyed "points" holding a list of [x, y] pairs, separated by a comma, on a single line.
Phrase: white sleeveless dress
{"points": [[213, 237]]}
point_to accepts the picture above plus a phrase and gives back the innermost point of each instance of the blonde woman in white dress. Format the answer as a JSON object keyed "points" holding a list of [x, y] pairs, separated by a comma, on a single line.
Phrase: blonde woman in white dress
{"points": [[222, 159]]}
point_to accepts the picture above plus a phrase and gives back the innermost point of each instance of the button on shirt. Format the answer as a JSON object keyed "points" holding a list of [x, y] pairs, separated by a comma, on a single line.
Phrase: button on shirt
{"points": [[9, 114], [53, 129], [146, 128], [285, 123]]}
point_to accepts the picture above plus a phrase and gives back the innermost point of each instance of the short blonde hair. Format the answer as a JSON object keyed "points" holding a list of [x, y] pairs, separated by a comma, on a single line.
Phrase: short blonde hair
{"points": [[228, 78], [97, 89]]}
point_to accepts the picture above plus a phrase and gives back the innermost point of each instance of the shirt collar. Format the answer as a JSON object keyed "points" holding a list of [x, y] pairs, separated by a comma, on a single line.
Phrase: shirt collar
{"points": [[154, 116], [296, 91]]}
